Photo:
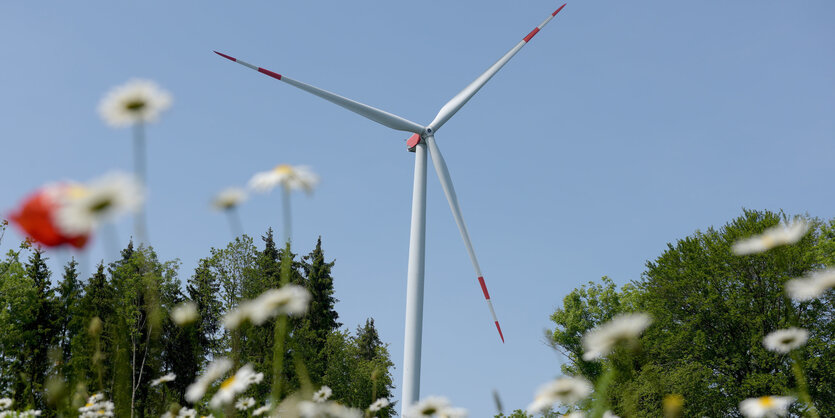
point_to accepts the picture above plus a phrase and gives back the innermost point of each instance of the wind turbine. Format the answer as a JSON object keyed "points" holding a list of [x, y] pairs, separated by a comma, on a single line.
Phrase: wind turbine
{"points": [[423, 137]]}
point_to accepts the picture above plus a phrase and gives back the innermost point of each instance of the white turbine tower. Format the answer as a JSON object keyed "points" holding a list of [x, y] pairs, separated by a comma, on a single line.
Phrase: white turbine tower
{"points": [[424, 136]]}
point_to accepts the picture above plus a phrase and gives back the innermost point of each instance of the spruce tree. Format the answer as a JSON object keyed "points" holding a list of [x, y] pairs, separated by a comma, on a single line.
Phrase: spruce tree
{"points": [[68, 300], [368, 341], [322, 314], [203, 289], [40, 335]]}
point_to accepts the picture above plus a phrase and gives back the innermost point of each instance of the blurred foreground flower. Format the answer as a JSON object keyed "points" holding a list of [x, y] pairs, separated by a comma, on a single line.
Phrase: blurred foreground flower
{"points": [[287, 176], [167, 378], [624, 328], [566, 390], [766, 406], [135, 101], [378, 405], [812, 285], [5, 403], [434, 406], [785, 340], [288, 300], [673, 405], [308, 409], [96, 406], [85, 207], [36, 217], [233, 386], [185, 313], [229, 198], [261, 410], [772, 237], [228, 201], [215, 370]]}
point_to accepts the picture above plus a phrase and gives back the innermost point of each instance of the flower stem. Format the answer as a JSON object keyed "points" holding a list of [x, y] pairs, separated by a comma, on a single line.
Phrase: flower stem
{"points": [[139, 167], [285, 201], [600, 404], [235, 222], [278, 356], [802, 389]]}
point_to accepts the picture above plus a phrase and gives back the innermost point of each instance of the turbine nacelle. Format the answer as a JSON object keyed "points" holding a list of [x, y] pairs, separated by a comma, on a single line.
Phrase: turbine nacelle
{"points": [[416, 139]]}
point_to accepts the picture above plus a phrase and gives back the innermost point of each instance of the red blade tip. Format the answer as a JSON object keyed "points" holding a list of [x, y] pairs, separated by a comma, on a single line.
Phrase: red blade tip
{"points": [[558, 10], [226, 56], [500, 331]]}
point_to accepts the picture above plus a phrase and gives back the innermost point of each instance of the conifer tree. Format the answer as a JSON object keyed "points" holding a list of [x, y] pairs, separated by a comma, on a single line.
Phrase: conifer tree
{"points": [[368, 341], [203, 289], [67, 304], [322, 315], [91, 356], [39, 335]]}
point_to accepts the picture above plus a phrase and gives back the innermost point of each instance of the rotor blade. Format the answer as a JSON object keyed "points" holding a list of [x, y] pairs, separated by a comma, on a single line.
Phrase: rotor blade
{"points": [[380, 116], [449, 191], [455, 104]]}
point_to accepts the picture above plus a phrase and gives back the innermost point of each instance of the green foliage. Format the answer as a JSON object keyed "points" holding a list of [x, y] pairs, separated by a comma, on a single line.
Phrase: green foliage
{"points": [[113, 333], [711, 310]]}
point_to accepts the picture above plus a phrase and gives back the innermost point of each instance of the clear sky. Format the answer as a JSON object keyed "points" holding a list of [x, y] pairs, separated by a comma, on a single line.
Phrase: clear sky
{"points": [[622, 126]]}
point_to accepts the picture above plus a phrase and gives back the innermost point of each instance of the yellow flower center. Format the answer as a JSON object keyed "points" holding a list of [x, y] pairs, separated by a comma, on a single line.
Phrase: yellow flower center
{"points": [[75, 191], [787, 340], [766, 401], [283, 169], [228, 382], [135, 105]]}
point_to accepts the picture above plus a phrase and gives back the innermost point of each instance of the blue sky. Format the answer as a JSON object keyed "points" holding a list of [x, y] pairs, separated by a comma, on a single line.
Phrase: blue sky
{"points": [[622, 126]]}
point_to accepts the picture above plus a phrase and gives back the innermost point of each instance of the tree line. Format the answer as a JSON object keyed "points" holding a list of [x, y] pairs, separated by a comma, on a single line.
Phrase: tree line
{"points": [[113, 333], [711, 310]]}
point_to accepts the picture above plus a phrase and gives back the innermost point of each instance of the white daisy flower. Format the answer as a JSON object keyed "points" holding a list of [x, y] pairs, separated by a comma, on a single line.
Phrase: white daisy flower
{"points": [[135, 101], [290, 177], [233, 386], [261, 410], [610, 414], [229, 198], [83, 208], [772, 237], [622, 328], [427, 407], [812, 285], [185, 313], [187, 413], [378, 405], [5, 403], [308, 409], [567, 390], [245, 403], [256, 378], [96, 406], [451, 412], [322, 395], [167, 378], [288, 300], [30, 413], [766, 406], [575, 414], [785, 340], [214, 371]]}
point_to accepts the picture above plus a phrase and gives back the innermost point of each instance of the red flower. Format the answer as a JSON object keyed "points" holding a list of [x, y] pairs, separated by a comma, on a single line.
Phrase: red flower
{"points": [[36, 218]]}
